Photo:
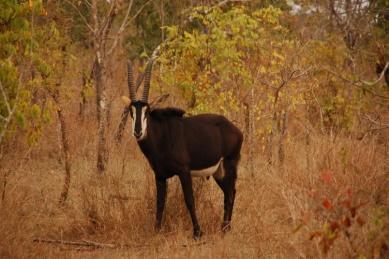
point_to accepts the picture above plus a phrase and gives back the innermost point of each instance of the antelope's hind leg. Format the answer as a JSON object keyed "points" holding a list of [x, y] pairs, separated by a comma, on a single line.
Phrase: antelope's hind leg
{"points": [[227, 184]]}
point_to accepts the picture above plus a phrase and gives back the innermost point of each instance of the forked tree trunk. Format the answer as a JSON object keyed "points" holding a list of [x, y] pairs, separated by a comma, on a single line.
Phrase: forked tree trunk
{"points": [[278, 134], [105, 40]]}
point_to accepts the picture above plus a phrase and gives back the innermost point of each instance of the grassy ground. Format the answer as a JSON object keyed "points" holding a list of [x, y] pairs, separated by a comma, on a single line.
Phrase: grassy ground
{"points": [[329, 200]]}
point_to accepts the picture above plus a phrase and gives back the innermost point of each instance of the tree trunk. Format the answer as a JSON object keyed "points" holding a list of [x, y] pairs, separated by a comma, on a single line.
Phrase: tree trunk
{"points": [[308, 152], [102, 114], [249, 125], [282, 122], [5, 178], [66, 149], [65, 143], [269, 144], [86, 81]]}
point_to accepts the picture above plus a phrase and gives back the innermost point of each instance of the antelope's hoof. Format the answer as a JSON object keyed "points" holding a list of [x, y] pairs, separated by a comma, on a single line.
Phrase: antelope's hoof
{"points": [[226, 226], [197, 233]]}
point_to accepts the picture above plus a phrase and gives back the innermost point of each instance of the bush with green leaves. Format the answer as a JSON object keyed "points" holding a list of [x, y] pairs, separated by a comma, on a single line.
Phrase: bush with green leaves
{"points": [[30, 61]]}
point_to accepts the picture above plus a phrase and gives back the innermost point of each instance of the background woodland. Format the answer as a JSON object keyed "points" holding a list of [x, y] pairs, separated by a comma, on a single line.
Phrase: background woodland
{"points": [[306, 81]]}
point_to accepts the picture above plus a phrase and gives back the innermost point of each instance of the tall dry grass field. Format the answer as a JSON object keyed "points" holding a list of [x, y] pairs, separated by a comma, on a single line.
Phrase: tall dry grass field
{"points": [[329, 200]]}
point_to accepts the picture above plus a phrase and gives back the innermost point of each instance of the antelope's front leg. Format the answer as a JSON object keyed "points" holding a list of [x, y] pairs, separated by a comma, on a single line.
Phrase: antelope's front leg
{"points": [[186, 183], [161, 198]]}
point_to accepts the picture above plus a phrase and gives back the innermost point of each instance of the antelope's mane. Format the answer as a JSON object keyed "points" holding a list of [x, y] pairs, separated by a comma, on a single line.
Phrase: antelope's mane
{"points": [[161, 113]]}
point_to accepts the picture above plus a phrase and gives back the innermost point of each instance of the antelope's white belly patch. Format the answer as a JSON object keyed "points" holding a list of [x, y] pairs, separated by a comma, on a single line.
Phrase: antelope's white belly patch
{"points": [[217, 168]]}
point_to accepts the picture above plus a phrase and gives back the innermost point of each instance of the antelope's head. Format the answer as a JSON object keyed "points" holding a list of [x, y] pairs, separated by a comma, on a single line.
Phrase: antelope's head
{"points": [[139, 109]]}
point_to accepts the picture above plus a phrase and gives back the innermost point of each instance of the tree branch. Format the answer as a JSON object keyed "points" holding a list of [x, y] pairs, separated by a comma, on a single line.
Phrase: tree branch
{"points": [[9, 109], [107, 24], [75, 243], [137, 13], [220, 4], [379, 78], [81, 15], [121, 27], [126, 21], [94, 12], [158, 100], [5, 98], [355, 83]]}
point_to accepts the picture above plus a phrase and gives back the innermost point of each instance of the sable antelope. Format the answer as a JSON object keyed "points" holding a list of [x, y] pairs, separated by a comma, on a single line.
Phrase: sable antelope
{"points": [[201, 145]]}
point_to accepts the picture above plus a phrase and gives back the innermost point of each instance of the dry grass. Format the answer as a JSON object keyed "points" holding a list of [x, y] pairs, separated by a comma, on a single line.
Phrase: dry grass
{"points": [[276, 211]]}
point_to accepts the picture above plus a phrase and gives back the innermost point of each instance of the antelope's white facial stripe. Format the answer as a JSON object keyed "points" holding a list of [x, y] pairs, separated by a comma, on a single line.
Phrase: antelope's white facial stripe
{"points": [[143, 122], [217, 170]]}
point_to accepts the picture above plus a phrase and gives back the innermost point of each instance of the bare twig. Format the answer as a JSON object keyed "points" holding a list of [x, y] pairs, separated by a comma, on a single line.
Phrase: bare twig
{"points": [[301, 74], [158, 100], [10, 110], [377, 129], [371, 120], [88, 3], [85, 244], [379, 78], [5, 98], [357, 84], [126, 21], [106, 25], [80, 14], [137, 13]]}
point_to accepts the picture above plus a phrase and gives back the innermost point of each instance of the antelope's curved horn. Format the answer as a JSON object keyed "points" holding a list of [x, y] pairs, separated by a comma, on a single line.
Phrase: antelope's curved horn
{"points": [[146, 88], [130, 78]]}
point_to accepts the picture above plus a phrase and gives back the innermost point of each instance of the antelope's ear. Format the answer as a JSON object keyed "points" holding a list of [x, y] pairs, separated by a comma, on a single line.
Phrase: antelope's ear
{"points": [[126, 100]]}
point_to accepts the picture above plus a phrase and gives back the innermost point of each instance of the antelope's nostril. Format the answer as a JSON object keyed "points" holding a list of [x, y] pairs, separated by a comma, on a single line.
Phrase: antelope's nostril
{"points": [[137, 135]]}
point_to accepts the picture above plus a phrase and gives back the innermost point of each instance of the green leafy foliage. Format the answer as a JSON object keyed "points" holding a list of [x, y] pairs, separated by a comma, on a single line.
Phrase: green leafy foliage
{"points": [[31, 59], [212, 58]]}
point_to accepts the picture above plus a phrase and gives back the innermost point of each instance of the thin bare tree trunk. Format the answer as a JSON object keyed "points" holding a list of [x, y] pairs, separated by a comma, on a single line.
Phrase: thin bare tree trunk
{"points": [[102, 115], [269, 144], [106, 37], [248, 133], [252, 132], [66, 149], [249, 125], [282, 122], [86, 80], [5, 176], [308, 152], [99, 72]]}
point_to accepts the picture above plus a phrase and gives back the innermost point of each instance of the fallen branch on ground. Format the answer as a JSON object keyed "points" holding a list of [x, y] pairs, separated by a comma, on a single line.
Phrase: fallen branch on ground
{"points": [[76, 243], [90, 245]]}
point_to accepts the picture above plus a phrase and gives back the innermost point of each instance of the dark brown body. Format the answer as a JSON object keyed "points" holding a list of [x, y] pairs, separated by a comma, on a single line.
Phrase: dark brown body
{"points": [[177, 145]]}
